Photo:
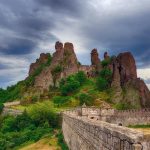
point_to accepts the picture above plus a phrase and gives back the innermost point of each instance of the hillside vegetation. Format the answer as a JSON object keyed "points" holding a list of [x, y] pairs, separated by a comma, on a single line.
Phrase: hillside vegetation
{"points": [[41, 117]]}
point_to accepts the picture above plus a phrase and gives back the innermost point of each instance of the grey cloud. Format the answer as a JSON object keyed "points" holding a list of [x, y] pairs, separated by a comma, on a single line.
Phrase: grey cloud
{"points": [[25, 25], [67, 7], [18, 46]]}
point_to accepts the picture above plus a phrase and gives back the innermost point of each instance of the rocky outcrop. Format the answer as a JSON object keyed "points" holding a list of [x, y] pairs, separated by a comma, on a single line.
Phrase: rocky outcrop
{"points": [[127, 87], [127, 67], [116, 85], [136, 92], [69, 62], [58, 54], [64, 57], [144, 93], [42, 59], [106, 56], [95, 60]]}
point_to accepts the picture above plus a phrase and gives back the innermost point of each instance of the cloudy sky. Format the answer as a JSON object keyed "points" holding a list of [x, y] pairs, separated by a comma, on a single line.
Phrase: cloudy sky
{"points": [[29, 27]]}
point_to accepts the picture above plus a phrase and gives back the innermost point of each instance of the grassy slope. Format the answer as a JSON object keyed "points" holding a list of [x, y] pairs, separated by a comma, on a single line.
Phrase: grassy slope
{"points": [[48, 143]]}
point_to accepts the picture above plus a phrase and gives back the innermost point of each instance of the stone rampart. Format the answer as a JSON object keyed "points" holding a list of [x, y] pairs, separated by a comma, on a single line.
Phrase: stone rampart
{"points": [[9, 104], [131, 117], [124, 117], [82, 133], [9, 111]]}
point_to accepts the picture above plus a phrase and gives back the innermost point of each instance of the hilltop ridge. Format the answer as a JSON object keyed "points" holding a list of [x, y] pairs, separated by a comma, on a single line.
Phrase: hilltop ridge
{"points": [[123, 67], [61, 78]]}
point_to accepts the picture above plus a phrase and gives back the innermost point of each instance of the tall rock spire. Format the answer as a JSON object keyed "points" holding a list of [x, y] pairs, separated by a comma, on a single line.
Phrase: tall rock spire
{"points": [[95, 60]]}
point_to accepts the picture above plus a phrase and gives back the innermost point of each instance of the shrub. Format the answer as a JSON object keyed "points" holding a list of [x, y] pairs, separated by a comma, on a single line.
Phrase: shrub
{"points": [[1, 107], [106, 74], [85, 98], [8, 124], [43, 112], [81, 77], [122, 106], [34, 98], [60, 100], [61, 141], [55, 73], [106, 62], [15, 131], [101, 84], [72, 83], [49, 59], [69, 85]]}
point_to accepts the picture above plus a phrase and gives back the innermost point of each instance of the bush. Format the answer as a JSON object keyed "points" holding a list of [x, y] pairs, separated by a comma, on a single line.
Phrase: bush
{"points": [[60, 100], [69, 85], [43, 112], [81, 77], [61, 141], [101, 84], [15, 131], [72, 83], [122, 106], [8, 124], [85, 98], [56, 73], [106, 62], [106, 74], [1, 107]]}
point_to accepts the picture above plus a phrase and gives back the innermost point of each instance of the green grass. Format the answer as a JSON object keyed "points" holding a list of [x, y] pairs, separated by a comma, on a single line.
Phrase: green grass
{"points": [[47, 103], [139, 126]]}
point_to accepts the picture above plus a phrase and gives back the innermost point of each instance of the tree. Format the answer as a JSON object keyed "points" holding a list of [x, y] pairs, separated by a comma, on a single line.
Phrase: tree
{"points": [[101, 83], [1, 107], [106, 74], [85, 98], [81, 77]]}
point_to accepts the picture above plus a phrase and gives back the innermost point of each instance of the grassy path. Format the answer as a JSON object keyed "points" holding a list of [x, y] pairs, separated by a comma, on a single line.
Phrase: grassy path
{"points": [[43, 144]]}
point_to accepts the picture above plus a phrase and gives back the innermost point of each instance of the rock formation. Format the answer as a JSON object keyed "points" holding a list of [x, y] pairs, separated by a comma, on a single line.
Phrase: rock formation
{"points": [[116, 85], [95, 60], [125, 76], [106, 56], [127, 87], [127, 67], [42, 59], [64, 57], [70, 62]]}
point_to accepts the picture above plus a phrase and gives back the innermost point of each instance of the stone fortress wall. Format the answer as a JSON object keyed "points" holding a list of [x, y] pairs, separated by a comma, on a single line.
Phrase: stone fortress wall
{"points": [[88, 129], [7, 110], [124, 117]]}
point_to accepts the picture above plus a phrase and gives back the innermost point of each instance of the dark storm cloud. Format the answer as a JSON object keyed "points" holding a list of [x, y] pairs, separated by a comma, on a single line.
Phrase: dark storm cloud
{"points": [[27, 26], [117, 33], [68, 7], [18, 47], [22, 27]]}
